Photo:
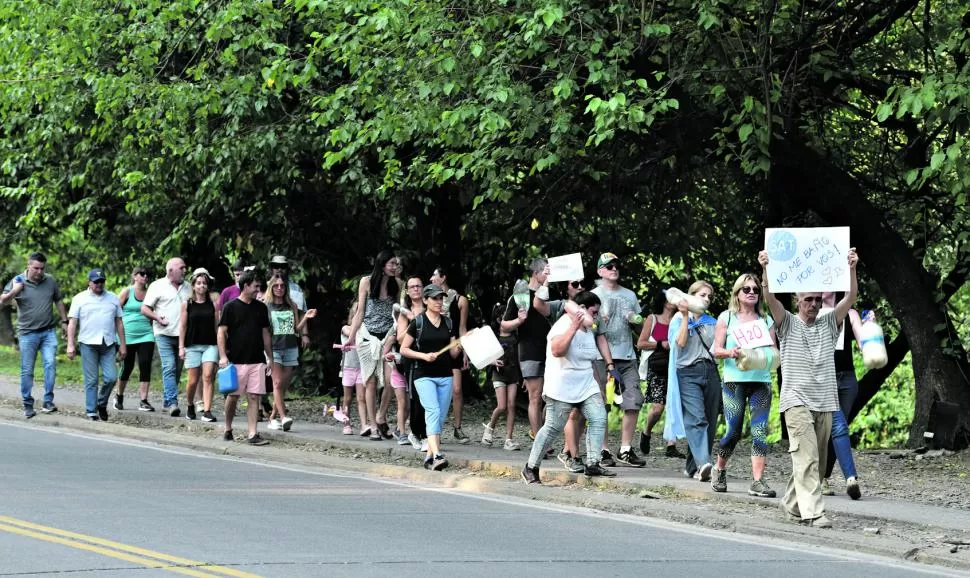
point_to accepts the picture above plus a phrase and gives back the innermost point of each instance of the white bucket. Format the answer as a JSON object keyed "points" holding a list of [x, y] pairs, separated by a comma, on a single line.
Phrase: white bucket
{"points": [[482, 347]]}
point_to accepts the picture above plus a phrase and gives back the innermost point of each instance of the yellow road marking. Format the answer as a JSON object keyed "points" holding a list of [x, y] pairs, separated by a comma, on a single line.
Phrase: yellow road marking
{"points": [[118, 550]]}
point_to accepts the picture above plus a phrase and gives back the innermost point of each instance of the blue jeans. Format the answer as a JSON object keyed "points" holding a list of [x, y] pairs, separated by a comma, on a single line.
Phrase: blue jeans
{"points": [[700, 398], [435, 394], [93, 358], [557, 412], [31, 342], [168, 350], [840, 447]]}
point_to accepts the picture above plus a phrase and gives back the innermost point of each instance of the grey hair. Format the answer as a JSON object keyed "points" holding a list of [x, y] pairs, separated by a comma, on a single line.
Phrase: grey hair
{"points": [[538, 264]]}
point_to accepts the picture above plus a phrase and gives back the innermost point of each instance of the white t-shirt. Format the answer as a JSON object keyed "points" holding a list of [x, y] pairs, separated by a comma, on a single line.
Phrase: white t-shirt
{"points": [[96, 315], [570, 378], [614, 309], [166, 301]]}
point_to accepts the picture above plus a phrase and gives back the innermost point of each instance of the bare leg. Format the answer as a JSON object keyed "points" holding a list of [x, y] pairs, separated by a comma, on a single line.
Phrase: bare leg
{"points": [[534, 387], [208, 377], [370, 398], [510, 392], [192, 384], [500, 404], [457, 400], [281, 381], [381, 416], [628, 426], [361, 404], [757, 466], [230, 408], [252, 412], [402, 408], [572, 429], [143, 389]]}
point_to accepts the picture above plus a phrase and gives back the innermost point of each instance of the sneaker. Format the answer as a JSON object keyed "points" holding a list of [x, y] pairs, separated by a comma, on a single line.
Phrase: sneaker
{"points": [[119, 403], [287, 423], [384, 431], [511, 445], [49, 407], [719, 480], [348, 430], [564, 458], [598, 471], [94, 417], [190, 412], [103, 412], [256, 440], [375, 435], [439, 463], [29, 412], [275, 424], [487, 435], [227, 436], [644, 444], [606, 458], [789, 517], [531, 475], [460, 436], [428, 460], [704, 474], [365, 431], [821, 522], [631, 458], [673, 452], [402, 439], [424, 445], [760, 489], [415, 442], [576, 466], [145, 406], [852, 488], [208, 417], [827, 488], [174, 411]]}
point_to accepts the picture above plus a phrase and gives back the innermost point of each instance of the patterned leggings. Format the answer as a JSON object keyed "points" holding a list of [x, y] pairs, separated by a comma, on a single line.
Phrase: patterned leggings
{"points": [[758, 395]]}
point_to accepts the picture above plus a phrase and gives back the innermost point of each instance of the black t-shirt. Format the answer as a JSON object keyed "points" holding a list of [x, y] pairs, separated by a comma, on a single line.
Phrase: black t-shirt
{"points": [[244, 338], [843, 357], [533, 331], [432, 339]]}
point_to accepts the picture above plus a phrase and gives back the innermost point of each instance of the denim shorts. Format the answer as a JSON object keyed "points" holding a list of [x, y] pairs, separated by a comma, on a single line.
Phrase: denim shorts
{"points": [[288, 357], [196, 355]]}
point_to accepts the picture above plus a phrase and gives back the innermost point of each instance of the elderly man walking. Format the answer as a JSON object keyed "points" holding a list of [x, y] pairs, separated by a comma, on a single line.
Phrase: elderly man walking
{"points": [[810, 393], [35, 293], [102, 339], [163, 306]]}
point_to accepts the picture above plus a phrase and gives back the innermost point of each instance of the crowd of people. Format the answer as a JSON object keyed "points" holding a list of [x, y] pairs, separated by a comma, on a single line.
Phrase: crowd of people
{"points": [[574, 356]]}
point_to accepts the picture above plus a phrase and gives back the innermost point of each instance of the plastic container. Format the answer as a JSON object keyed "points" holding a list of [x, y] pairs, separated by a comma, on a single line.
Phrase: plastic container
{"points": [[694, 304], [482, 347], [227, 378], [759, 358], [634, 318], [873, 344]]}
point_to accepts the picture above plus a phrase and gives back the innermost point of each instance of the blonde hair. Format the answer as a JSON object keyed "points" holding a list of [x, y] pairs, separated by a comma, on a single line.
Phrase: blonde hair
{"points": [[734, 305], [698, 285]]}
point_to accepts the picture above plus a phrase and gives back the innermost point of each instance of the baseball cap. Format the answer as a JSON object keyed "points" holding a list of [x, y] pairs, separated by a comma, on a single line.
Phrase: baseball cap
{"points": [[96, 275], [606, 259], [431, 291], [279, 260]]}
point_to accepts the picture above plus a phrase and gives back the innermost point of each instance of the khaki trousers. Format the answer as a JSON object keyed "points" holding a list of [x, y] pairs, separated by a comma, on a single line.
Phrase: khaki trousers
{"points": [[808, 440]]}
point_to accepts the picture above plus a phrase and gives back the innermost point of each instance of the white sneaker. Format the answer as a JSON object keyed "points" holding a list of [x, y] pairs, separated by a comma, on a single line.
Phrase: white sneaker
{"points": [[487, 436], [424, 445], [415, 442], [511, 445], [275, 424], [287, 423]]}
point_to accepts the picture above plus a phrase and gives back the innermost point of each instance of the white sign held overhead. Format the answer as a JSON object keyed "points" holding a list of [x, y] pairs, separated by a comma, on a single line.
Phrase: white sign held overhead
{"points": [[566, 268], [808, 260]]}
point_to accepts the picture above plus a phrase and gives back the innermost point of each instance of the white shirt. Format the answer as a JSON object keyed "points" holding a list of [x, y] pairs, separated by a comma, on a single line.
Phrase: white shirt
{"points": [[570, 378], [96, 315], [166, 301]]}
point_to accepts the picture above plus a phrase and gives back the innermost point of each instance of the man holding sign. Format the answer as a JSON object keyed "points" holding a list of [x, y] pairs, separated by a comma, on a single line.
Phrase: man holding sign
{"points": [[810, 393]]}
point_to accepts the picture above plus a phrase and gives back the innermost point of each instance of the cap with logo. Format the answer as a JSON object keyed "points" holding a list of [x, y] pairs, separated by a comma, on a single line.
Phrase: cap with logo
{"points": [[606, 259], [96, 275]]}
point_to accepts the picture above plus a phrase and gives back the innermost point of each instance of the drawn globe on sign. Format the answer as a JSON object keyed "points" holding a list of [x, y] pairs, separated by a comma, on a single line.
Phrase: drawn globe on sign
{"points": [[781, 246]]}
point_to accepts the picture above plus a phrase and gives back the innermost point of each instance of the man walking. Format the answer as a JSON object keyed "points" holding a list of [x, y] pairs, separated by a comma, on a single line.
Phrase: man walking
{"points": [[810, 393], [244, 341], [163, 305], [619, 310], [102, 339], [35, 292]]}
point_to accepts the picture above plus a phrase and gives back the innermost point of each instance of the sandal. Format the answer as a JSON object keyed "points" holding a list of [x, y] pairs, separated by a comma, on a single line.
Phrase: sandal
{"points": [[384, 431]]}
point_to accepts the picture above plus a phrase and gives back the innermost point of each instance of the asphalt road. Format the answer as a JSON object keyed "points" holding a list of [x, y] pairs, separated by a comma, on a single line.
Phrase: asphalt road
{"points": [[92, 506]]}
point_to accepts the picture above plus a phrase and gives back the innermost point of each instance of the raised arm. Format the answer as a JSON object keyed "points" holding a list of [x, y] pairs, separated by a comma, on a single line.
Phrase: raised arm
{"points": [[774, 305], [843, 306], [685, 322]]}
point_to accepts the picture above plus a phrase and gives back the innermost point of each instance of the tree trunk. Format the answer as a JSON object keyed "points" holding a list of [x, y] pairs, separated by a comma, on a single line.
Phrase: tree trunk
{"points": [[815, 182]]}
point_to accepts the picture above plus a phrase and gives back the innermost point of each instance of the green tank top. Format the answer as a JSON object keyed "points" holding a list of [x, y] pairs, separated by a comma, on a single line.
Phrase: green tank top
{"points": [[138, 329]]}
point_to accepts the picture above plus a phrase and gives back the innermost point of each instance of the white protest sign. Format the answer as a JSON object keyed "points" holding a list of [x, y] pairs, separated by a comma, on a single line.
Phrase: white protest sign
{"points": [[811, 259], [751, 334], [566, 268]]}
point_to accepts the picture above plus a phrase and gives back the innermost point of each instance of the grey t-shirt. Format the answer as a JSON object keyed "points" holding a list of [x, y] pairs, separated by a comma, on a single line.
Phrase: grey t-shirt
{"points": [[808, 363], [35, 303], [614, 308], [697, 345]]}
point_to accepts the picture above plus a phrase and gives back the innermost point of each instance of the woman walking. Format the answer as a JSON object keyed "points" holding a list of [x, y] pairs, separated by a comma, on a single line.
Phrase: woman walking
{"points": [[427, 335], [654, 343], [197, 342], [744, 320], [286, 327], [139, 338]]}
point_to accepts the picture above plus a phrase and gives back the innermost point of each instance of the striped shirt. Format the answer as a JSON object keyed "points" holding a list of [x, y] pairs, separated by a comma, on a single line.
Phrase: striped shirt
{"points": [[808, 363]]}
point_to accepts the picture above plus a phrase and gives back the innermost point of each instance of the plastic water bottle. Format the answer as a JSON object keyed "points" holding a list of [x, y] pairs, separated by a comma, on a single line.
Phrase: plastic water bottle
{"points": [[758, 358], [873, 343], [634, 318], [694, 304]]}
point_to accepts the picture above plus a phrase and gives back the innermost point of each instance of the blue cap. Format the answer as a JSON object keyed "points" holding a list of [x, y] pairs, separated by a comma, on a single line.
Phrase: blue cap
{"points": [[96, 275]]}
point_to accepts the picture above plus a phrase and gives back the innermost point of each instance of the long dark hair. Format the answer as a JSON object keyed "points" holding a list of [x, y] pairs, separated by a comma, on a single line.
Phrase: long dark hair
{"points": [[378, 273]]}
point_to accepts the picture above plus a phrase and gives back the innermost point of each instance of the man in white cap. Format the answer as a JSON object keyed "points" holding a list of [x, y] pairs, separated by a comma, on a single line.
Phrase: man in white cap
{"points": [[102, 339], [163, 306]]}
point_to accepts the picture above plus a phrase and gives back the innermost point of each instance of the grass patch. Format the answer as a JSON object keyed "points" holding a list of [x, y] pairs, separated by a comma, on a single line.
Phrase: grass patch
{"points": [[68, 372]]}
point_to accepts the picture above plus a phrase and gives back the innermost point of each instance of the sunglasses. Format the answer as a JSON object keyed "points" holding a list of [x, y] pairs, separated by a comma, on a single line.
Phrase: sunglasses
{"points": [[812, 300], [141, 273], [576, 284], [413, 287], [749, 290], [611, 266]]}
